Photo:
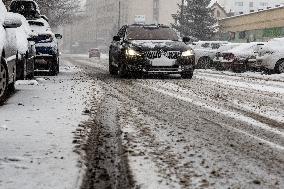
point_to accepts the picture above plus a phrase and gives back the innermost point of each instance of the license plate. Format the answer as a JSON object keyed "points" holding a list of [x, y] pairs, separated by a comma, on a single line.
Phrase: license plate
{"points": [[163, 61]]}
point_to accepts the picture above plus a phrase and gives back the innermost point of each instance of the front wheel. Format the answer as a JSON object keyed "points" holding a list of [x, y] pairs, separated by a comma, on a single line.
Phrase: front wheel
{"points": [[204, 63], [122, 72], [112, 69], [187, 75], [3, 82], [279, 68]]}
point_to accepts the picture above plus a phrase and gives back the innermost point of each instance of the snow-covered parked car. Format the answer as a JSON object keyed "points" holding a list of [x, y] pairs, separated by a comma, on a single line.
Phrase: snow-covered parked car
{"points": [[26, 50], [237, 59], [218, 56], [28, 8], [271, 56], [47, 53], [205, 52], [8, 50]]}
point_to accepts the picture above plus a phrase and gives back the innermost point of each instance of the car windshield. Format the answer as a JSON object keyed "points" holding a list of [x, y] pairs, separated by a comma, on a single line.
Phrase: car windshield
{"points": [[151, 33], [25, 8]]}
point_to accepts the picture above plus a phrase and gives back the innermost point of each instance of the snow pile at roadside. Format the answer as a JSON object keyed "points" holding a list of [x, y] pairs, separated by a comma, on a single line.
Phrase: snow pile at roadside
{"points": [[26, 82], [36, 126]]}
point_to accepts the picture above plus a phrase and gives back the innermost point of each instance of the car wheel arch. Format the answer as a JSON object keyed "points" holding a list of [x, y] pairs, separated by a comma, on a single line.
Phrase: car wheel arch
{"points": [[278, 62]]}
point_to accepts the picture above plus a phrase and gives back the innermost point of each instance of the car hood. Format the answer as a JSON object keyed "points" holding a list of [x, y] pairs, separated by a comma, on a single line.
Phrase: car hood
{"points": [[153, 45]]}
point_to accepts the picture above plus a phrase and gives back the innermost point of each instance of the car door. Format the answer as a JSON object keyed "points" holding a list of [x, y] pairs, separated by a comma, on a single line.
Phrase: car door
{"points": [[10, 48]]}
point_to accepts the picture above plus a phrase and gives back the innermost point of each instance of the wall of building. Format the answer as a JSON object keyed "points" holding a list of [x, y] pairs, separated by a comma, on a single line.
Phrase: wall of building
{"points": [[260, 26], [247, 6], [104, 18]]}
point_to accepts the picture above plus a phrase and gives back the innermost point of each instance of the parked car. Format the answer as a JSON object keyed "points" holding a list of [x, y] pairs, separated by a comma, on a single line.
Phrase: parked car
{"points": [[150, 49], [237, 58], [47, 52], [219, 58], [94, 52], [28, 8], [26, 50], [205, 52], [271, 56], [8, 50]]}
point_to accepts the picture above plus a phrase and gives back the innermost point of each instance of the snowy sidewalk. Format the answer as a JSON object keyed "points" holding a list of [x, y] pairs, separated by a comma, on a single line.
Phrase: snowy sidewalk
{"points": [[36, 126]]}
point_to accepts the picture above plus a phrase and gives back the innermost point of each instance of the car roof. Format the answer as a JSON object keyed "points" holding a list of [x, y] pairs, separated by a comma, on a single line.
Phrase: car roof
{"points": [[149, 25]]}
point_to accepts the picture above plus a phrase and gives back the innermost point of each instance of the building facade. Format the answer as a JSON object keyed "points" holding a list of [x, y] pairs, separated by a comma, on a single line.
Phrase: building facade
{"points": [[239, 7], [103, 18], [258, 26]]}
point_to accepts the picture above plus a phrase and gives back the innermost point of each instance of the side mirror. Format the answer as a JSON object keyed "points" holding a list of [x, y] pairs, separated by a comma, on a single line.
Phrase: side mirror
{"points": [[12, 21], [186, 39], [58, 36], [116, 38]]}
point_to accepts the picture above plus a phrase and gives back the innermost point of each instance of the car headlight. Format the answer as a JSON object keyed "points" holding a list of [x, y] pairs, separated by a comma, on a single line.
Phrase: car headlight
{"points": [[188, 53], [131, 52]]}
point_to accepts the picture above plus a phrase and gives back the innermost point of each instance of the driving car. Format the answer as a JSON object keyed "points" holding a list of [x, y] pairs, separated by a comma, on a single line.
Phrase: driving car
{"points": [[8, 50], [47, 52], [94, 52], [150, 49]]}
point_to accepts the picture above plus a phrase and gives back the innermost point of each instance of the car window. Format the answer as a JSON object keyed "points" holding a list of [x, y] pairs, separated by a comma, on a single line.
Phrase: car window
{"points": [[205, 45], [215, 45], [151, 33]]}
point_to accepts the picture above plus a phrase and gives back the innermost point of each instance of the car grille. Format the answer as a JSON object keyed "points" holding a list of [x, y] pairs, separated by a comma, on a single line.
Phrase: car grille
{"points": [[159, 54]]}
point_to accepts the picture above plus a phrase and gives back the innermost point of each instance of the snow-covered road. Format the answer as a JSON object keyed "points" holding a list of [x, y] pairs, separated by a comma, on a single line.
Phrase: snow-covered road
{"points": [[218, 130], [36, 131]]}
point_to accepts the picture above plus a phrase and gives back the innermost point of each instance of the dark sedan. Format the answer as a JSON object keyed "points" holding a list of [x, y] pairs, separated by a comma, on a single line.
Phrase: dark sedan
{"points": [[150, 49]]}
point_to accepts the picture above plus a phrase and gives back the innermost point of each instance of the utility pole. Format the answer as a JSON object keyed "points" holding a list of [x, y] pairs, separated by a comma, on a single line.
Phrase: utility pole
{"points": [[119, 14], [182, 13]]}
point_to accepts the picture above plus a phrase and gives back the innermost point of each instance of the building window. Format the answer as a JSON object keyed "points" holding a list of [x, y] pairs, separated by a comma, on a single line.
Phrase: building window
{"points": [[240, 4], [263, 4], [218, 14], [156, 11], [250, 4]]}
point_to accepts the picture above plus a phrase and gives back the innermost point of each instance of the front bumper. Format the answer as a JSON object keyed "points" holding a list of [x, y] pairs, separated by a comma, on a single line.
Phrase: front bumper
{"points": [[176, 66]]}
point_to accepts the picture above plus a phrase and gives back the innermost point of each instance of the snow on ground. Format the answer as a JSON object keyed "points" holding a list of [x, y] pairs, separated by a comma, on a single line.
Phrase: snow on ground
{"points": [[36, 126]]}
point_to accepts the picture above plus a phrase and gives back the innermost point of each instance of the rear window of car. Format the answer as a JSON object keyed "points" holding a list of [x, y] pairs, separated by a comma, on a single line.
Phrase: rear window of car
{"points": [[34, 23], [20, 6], [151, 33]]}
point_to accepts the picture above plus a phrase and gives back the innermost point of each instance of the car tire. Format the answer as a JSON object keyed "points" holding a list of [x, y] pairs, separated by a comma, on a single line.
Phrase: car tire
{"points": [[57, 65], [204, 63], [112, 69], [187, 75], [279, 67], [122, 72], [53, 70], [219, 66], [4, 78]]}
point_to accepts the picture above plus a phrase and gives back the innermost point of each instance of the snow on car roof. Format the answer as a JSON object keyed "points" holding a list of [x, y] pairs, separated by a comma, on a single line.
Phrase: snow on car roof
{"points": [[40, 26], [3, 12]]}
